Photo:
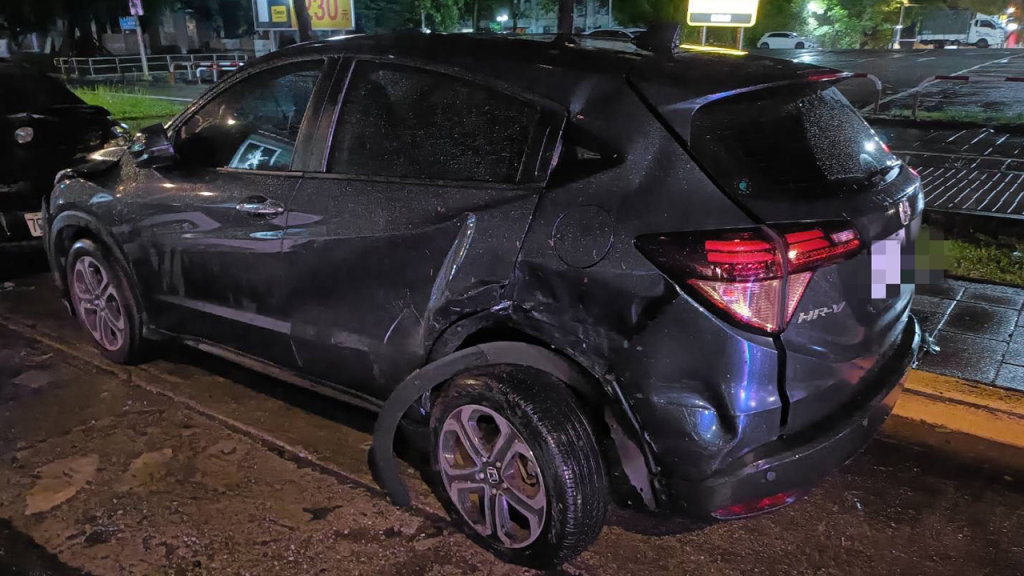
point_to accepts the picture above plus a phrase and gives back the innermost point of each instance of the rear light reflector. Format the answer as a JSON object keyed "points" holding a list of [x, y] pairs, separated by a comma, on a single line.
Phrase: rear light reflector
{"points": [[766, 504], [742, 272]]}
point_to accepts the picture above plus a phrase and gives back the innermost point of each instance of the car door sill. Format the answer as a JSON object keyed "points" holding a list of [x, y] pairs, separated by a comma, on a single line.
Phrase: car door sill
{"points": [[327, 389]]}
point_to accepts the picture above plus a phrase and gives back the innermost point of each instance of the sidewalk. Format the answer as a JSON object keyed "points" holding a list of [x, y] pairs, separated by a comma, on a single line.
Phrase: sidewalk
{"points": [[979, 329]]}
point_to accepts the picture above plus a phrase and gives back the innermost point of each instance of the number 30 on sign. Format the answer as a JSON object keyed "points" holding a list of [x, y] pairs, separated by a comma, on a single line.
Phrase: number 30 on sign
{"points": [[323, 14]]}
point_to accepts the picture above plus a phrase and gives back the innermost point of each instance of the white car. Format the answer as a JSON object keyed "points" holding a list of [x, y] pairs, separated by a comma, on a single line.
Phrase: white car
{"points": [[785, 40], [613, 33]]}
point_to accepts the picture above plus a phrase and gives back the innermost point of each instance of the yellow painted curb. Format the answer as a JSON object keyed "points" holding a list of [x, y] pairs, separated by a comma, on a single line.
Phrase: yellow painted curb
{"points": [[954, 405]]}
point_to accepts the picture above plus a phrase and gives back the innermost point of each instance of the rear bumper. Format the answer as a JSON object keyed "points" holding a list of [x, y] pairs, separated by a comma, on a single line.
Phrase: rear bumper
{"points": [[795, 463]]}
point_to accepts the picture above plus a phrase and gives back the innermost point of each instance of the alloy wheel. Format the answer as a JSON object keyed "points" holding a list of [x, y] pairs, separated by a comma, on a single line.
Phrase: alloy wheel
{"points": [[98, 304], [492, 476]]}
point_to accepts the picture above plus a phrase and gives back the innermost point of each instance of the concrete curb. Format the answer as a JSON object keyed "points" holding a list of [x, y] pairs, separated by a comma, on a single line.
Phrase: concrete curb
{"points": [[976, 421]]}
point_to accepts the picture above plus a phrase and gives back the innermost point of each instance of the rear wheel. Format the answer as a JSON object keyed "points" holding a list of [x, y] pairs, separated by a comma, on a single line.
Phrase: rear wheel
{"points": [[517, 466], [765, 45], [982, 43], [103, 302]]}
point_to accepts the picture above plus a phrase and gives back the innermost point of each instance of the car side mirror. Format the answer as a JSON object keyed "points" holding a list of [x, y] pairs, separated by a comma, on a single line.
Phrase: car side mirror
{"points": [[152, 147]]}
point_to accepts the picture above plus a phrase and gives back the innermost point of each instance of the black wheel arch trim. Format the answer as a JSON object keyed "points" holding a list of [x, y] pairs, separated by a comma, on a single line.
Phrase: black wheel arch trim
{"points": [[383, 464], [103, 235]]}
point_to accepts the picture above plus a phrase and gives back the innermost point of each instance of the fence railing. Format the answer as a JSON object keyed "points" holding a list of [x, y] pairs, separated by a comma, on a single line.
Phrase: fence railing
{"points": [[118, 65]]}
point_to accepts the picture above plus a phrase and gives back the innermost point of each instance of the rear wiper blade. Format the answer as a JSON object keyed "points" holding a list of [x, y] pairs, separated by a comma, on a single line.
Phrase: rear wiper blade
{"points": [[871, 177]]}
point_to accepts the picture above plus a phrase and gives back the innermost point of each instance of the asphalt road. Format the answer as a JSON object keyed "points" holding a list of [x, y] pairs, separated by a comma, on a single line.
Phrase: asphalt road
{"points": [[899, 70], [188, 465]]}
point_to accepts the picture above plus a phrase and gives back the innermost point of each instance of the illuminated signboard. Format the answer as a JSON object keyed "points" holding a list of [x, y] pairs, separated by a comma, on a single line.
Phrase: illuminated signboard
{"points": [[324, 14], [735, 13]]}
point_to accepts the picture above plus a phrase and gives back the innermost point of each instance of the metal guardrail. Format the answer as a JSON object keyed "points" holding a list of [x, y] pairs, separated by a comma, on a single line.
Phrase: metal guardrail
{"points": [[118, 65], [964, 79], [877, 83]]}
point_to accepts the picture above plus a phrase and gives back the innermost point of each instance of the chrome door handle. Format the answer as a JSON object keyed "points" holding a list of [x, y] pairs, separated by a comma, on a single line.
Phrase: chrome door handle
{"points": [[265, 208]]}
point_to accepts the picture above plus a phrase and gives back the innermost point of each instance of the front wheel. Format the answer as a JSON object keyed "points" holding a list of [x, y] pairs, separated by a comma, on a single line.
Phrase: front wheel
{"points": [[799, 45], [104, 302], [516, 464], [982, 43], [765, 45]]}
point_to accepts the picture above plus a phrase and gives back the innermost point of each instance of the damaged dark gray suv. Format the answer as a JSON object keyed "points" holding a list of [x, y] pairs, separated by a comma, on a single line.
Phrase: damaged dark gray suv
{"points": [[593, 275]]}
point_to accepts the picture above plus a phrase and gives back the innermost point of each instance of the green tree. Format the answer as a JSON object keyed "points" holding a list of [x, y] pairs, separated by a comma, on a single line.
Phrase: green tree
{"points": [[443, 15]]}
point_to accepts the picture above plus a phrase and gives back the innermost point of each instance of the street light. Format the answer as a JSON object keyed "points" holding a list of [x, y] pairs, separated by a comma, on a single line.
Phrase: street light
{"points": [[502, 18], [899, 27]]}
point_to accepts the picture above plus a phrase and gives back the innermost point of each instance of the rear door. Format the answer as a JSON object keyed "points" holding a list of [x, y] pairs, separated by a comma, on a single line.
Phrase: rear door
{"points": [[799, 157], [428, 182]]}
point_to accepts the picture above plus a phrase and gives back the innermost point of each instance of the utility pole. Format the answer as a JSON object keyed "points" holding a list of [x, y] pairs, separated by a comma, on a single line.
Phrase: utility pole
{"points": [[135, 9], [610, 20], [303, 22]]}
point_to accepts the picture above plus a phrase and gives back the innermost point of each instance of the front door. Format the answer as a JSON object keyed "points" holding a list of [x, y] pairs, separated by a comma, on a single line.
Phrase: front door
{"points": [[209, 228], [430, 182]]}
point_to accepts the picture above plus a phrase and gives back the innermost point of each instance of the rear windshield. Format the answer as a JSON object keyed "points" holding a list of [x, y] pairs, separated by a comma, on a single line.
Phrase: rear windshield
{"points": [[787, 143], [25, 90]]}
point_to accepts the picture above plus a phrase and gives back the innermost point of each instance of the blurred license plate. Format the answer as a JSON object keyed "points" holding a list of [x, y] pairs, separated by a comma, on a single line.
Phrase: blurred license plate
{"points": [[886, 263], [35, 223]]}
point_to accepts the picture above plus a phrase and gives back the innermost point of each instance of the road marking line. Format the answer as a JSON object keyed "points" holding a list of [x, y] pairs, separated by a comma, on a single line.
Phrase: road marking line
{"points": [[960, 73], [976, 182], [954, 137], [928, 58], [1007, 195], [978, 193], [1010, 211], [960, 184], [994, 192]]}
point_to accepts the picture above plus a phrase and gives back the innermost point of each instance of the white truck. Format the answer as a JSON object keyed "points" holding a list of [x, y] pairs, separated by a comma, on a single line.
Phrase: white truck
{"points": [[960, 27]]}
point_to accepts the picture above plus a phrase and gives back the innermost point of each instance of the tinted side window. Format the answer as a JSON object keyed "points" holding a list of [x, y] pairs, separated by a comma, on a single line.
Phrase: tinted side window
{"points": [[407, 122], [254, 124]]}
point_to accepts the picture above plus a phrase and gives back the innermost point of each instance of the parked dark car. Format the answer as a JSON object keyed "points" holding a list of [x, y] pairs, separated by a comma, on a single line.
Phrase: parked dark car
{"points": [[590, 274], [44, 127]]}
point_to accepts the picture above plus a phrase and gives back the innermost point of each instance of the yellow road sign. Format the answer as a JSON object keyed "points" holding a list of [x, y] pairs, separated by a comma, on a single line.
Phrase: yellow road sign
{"points": [[324, 14], [733, 13]]}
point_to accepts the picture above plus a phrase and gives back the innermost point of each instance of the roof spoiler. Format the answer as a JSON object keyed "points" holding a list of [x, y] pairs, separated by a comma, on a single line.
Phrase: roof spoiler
{"points": [[661, 38]]}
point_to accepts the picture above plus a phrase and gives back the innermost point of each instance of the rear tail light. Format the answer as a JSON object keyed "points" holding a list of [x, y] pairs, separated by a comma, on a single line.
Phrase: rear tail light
{"points": [[766, 504], [744, 273]]}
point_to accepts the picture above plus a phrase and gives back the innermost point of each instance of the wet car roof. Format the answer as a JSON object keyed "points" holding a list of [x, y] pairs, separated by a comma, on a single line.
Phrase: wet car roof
{"points": [[699, 69]]}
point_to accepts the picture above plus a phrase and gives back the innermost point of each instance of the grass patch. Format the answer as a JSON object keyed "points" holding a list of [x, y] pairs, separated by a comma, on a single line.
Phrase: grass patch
{"points": [[131, 106], [985, 259], [969, 116]]}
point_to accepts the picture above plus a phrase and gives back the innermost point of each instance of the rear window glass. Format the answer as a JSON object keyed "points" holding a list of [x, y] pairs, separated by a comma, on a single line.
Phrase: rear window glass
{"points": [[788, 143], [25, 90], [407, 122]]}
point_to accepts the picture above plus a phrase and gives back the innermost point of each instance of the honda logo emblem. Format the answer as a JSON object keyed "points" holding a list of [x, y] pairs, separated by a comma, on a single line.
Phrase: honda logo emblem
{"points": [[904, 209]]}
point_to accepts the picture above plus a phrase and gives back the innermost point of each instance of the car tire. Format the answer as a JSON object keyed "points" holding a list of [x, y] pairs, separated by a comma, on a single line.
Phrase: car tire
{"points": [[764, 45], [799, 46], [104, 302], [552, 460], [981, 43]]}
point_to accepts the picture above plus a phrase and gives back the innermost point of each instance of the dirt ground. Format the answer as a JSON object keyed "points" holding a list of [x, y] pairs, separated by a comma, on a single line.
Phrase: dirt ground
{"points": [[188, 465]]}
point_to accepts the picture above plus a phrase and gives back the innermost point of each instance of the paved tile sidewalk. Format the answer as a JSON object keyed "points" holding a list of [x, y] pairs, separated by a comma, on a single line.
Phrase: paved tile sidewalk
{"points": [[979, 329]]}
